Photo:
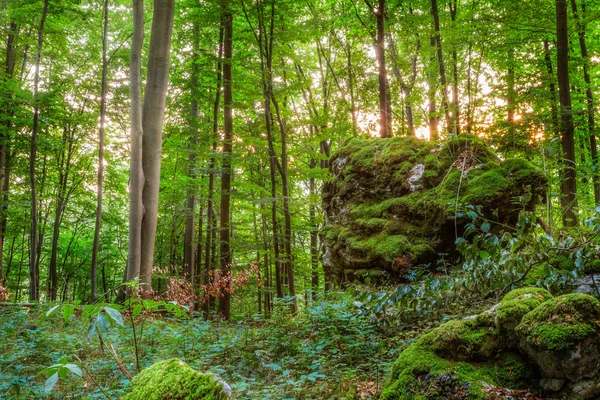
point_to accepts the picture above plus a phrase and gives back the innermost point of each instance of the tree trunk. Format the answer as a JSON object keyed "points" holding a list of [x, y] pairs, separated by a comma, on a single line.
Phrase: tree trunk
{"points": [[208, 246], [569, 174], [225, 228], [431, 90], [136, 172], [100, 160], [33, 272], [455, 104], [589, 94], [450, 124], [385, 126], [314, 235], [189, 255], [146, 126], [511, 94], [552, 88], [4, 148], [152, 125]]}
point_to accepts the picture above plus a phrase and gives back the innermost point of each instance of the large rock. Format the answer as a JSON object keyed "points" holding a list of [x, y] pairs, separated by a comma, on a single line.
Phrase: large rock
{"points": [[175, 380], [562, 336], [389, 203], [530, 340]]}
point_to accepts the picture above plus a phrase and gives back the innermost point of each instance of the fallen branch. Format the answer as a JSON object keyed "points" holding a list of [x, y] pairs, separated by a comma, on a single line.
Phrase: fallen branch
{"points": [[18, 304]]}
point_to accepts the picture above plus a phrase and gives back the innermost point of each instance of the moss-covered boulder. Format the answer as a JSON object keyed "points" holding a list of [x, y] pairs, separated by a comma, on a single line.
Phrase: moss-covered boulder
{"points": [[389, 203], [175, 380], [530, 339], [562, 336], [470, 353]]}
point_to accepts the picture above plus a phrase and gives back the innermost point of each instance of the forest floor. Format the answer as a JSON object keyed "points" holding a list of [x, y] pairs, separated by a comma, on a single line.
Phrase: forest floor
{"points": [[328, 351]]}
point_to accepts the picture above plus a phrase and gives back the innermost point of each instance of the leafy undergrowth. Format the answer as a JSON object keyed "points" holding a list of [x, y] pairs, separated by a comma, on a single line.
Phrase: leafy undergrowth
{"points": [[330, 351]]}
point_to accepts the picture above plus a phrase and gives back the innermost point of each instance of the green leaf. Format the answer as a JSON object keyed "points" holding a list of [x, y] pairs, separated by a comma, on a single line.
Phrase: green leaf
{"points": [[68, 310], [484, 255], [137, 309], [485, 227], [51, 311], [115, 315], [74, 369], [51, 382]]}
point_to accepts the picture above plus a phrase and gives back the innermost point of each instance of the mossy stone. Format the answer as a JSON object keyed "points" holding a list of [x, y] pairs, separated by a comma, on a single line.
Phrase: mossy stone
{"points": [[175, 380], [463, 339], [378, 217], [561, 322]]}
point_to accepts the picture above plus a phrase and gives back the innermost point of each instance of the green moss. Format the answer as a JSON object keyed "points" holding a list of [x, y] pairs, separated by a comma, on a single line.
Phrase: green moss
{"points": [[487, 186], [462, 340], [516, 304], [527, 292], [417, 361], [174, 379], [561, 322], [382, 246]]}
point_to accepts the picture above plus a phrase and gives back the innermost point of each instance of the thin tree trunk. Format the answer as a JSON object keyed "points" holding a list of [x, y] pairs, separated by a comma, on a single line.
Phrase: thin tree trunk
{"points": [[136, 174], [569, 174], [33, 273], [455, 104], [385, 128], [208, 247], [440, 58], [589, 94], [511, 94], [189, 255], [431, 90], [552, 88], [314, 235], [225, 228], [96, 244]]}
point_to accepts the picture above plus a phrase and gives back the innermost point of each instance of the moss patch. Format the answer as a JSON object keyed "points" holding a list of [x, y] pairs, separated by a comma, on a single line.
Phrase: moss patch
{"points": [[561, 322], [462, 340], [174, 379]]}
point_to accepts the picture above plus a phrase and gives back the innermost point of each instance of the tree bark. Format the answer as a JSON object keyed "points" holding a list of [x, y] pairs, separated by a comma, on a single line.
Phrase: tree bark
{"points": [[4, 148], [225, 228], [210, 212], [33, 270], [189, 254], [147, 124], [589, 94], [152, 124], [98, 225], [136, 172], [433, 118], [385, 126], [569, 173], [552, 88], [450, 124]]}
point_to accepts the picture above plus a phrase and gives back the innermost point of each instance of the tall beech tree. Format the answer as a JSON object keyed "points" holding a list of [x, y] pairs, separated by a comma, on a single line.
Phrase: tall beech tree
{"points": [[146, 135], [101, 162], [34, 273]]}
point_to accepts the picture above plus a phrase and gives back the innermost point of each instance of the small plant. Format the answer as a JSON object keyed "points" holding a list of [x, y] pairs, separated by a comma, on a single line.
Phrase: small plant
{"points": [[4, 295], [61, 369]]}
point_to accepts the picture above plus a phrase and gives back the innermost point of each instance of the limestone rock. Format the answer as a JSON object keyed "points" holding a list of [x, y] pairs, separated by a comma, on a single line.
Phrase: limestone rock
{"points": [[562, 336], [389, 203], [530, 340]]}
